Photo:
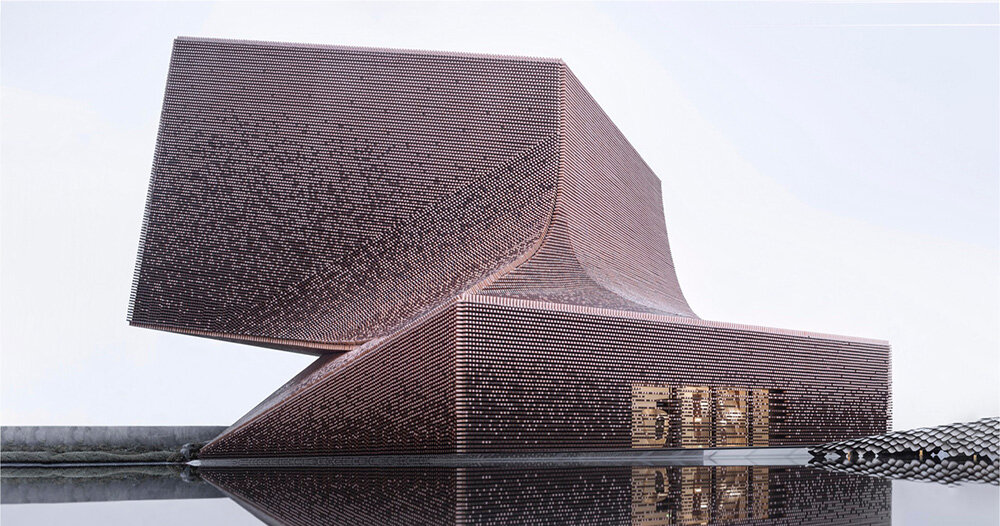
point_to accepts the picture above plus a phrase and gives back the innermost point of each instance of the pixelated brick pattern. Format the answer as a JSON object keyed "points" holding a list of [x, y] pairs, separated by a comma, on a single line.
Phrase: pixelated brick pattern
{"points": [[502, 375], [543, 377], [607, 244], [322, 194], [316, 197], [474, 234], [395, 395]]}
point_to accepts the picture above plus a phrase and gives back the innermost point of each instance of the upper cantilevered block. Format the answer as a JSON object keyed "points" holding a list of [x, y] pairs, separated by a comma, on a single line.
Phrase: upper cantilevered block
{"points": [[315, 197]]}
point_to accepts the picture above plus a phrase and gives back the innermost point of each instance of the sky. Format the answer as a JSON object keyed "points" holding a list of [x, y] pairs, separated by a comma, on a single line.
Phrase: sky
{"points": [[826, 166]]}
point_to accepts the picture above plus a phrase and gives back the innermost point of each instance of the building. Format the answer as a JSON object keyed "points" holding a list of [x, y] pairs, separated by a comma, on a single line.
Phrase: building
{"points": [[474, 251]]}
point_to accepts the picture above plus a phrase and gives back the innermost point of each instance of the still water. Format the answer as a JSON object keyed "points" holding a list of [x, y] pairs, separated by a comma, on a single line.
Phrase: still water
{"points": [[518, 494]]}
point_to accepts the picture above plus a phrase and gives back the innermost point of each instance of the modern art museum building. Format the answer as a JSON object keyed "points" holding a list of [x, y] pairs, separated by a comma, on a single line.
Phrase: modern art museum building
{"points": [[475, 253]]}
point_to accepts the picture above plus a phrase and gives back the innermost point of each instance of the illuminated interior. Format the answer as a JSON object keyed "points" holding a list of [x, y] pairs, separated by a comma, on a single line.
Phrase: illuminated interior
{"points": [[699, 417]]}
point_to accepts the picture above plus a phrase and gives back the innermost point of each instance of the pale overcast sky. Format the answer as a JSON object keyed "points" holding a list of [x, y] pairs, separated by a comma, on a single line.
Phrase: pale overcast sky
{"points": [[826, 166]]}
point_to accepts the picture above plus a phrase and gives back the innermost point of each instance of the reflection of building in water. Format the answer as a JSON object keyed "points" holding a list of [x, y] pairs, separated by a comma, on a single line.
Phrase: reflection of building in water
{"points": [[699, 494], [640, 496]]}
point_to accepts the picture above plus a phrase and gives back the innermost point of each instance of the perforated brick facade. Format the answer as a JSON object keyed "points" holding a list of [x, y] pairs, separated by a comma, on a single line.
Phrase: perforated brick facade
{"points": [[493, 375], [477, 253]]}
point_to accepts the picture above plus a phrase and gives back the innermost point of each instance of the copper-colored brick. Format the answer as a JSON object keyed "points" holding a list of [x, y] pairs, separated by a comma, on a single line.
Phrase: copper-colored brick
{"points": [[477, 252]]}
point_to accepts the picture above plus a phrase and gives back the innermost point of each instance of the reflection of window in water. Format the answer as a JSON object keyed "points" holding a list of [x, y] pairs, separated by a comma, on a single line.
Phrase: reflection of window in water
{"points": [[699, 495], [698, 416], [696, 496], [731, 492], [651, 503]]}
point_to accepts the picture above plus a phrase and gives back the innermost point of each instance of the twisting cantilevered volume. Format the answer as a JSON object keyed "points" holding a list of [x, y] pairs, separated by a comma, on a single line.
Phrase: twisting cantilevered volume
{"points": [[315, 197], [477, 253]]}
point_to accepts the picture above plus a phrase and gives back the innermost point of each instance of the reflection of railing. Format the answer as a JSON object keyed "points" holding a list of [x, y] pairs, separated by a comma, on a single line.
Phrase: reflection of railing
{"points": [[698, 416]]}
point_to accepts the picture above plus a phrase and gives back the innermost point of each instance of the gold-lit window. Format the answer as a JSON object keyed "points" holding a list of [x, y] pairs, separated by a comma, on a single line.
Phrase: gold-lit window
{"points": [[650, 413], [696, 416], [731, 418], [699, 417]]}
